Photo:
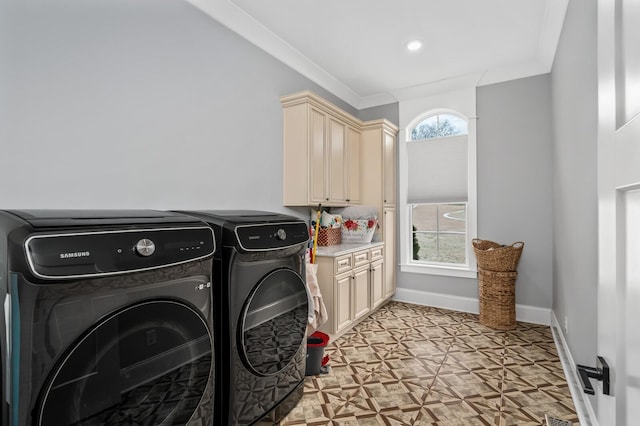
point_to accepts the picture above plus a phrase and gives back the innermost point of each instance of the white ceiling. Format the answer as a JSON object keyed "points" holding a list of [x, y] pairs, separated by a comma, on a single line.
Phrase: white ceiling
{"points": [[356, 48]]}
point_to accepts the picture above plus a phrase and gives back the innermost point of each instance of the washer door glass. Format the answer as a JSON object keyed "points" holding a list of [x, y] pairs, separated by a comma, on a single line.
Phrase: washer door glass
{"points": [[148, 364], [274, 322]]}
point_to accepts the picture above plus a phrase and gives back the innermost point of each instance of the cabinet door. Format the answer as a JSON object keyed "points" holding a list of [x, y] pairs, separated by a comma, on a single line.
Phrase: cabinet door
{"points": [[389, 169], [389, 230], [336, 143], [361, 297], [342, 301], [317, 164], [353, 169], [377, 283]]}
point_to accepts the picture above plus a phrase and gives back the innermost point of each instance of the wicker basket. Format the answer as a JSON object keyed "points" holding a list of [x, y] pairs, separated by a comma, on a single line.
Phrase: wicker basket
{"points": [[492, 256], [329, 236], [497, 294]]}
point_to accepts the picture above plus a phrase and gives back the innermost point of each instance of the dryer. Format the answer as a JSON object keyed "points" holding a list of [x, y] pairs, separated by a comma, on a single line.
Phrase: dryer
{"points": [[264, 305], [107, 318]]}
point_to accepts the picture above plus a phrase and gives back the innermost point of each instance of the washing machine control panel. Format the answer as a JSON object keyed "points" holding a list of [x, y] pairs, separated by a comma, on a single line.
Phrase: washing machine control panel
{"points": [[114, 252], [269, 236]]}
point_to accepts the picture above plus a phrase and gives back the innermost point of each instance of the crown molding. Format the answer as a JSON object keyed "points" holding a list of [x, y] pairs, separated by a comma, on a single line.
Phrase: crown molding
{"points": [[238, 21], [243, 24]]}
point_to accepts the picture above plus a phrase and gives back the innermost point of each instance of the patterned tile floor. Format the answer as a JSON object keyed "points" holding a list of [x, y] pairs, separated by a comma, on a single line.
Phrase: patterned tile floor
{"points": [[414, 365]]}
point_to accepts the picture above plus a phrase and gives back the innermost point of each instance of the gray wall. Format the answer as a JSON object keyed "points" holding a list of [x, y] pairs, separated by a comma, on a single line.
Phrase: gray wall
{"points": [[515, 178], [138, 104], [389, 111], [514, 141], [574, 88]]}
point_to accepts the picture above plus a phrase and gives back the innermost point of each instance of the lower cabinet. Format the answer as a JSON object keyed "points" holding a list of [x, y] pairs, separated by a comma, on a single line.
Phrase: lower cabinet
{"points": [[341, 301], [377, 283], [352, 285], [361, 295]]}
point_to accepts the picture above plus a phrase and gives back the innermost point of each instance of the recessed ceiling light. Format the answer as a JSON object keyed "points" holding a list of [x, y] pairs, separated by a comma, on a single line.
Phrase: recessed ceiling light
{"points": [[414, 45]]}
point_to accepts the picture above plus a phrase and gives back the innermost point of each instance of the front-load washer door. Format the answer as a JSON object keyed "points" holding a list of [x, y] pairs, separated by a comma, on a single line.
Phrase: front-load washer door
{"points": [[147, 364], [274, 321]]}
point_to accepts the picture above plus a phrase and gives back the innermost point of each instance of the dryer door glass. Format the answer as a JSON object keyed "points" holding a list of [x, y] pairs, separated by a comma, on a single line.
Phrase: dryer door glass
{"points": [[148, 364], [274, 322]]}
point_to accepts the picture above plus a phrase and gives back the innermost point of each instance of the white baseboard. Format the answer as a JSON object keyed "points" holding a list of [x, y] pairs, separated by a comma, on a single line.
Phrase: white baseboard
{"points": [[524, 313], [586, 415]]}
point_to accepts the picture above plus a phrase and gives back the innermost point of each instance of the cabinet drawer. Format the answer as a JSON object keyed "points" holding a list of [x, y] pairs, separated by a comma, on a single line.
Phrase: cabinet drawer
{"points": [[343, 263], [360, 258], [376, 253]]}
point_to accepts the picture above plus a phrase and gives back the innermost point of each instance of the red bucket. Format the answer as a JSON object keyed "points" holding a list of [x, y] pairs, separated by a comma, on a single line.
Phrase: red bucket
{"points": [[316, 360]]}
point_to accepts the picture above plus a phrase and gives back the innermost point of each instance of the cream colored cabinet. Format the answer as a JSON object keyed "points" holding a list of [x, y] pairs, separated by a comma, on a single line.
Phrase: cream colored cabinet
{"points": [[321, 153], [317, 162], [342, 301], [389, 226], [336, 166], [361, 295], [354, 166], [350, 285], [376, 278], [379, 189], [389, 167]]}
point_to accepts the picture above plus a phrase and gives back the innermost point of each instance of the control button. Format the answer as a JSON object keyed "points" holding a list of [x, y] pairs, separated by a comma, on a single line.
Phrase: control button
{"points": [[145, 247], [281, 234]]}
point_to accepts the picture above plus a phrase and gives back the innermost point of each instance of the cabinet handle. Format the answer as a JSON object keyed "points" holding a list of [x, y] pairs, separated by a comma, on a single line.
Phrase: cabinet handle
{"points": [[348, 200]]}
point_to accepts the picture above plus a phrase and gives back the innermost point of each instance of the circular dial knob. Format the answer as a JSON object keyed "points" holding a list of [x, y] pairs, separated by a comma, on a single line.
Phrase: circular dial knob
{"points": [[145, 247], [281, 234]]}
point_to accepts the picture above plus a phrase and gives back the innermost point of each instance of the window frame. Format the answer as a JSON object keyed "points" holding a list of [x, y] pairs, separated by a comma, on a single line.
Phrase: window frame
{"points": [[462, 104], [439, 233]]}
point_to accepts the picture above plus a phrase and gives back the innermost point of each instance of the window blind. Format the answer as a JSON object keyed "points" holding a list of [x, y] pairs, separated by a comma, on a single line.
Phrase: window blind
{"points": [[437, 170]]}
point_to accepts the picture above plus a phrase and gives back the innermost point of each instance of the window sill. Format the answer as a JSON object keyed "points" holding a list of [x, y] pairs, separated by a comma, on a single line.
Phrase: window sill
{"points": [[439, 270]]}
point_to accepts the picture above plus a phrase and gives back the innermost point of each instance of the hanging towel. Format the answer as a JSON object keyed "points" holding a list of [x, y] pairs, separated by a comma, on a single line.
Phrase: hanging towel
{"points": [[319, 316]]}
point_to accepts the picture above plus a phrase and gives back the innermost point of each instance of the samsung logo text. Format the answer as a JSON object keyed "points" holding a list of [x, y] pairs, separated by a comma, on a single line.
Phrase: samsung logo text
{"points": [[75, 254]]}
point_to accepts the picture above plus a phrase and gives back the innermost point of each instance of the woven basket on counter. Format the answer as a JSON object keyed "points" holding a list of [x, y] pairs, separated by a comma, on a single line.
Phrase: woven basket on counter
{"points": [[329, 236], [493, 256], [497, 294]]}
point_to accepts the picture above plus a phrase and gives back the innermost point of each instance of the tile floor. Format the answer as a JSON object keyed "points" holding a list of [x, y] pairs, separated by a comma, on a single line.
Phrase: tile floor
{"points": [[414, 365]]}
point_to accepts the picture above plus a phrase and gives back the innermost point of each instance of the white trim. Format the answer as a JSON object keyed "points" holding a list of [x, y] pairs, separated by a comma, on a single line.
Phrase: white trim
{"points": [[439, 270], [463, 103], [585, 412], [524, 313]]}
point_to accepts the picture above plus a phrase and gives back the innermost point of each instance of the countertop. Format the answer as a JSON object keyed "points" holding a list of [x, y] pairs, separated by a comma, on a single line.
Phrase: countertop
{"points": [[340, 249]]}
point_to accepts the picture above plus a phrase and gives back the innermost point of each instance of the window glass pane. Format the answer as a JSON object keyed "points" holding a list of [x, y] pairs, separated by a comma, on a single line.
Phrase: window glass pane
{"points": [[428, 128], [439, 233], [438, 126], [452, 125], [425, 217]]}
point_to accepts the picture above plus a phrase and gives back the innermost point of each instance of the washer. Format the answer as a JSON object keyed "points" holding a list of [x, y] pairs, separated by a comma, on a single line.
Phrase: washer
{"points": [[107, 318], [264, 312]]}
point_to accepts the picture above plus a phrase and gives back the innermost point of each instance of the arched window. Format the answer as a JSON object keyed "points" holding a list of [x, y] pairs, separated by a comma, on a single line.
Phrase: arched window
{"points": [[437, 189], [439, 125]]}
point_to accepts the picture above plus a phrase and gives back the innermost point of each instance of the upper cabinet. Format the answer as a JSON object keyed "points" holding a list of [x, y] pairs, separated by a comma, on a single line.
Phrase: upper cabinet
{"points": [[379, 176], [354, 166], [322, 151], [389, 164]]}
